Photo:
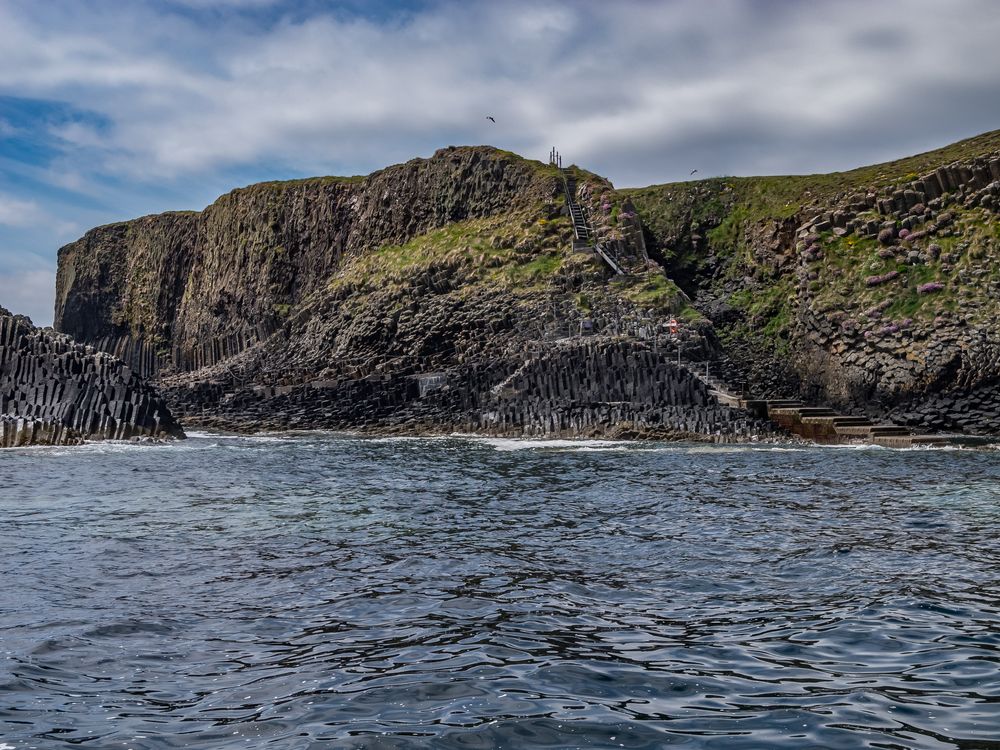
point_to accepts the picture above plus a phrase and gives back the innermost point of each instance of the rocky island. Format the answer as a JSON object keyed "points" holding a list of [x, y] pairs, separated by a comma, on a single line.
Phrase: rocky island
{"points": [[478, 291]]}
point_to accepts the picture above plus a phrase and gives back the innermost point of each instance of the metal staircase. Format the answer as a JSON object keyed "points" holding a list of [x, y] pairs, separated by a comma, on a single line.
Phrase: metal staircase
{"points": [[717, 388], [581, 227]]}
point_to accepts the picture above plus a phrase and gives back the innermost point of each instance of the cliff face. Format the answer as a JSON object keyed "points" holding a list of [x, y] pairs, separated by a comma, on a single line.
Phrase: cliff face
{"points": [[187, 290], [126, 281], [434, 295], [56, 392], [440, 294], [873, 290]]}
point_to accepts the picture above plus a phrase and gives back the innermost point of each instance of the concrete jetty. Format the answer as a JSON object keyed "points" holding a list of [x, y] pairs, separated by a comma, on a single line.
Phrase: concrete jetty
{"points": [[824, 425]]}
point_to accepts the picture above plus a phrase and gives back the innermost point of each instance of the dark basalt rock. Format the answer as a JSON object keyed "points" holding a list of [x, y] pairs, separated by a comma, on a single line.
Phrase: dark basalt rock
{"points": [[182, 291], [604, 386], [56, 392]]}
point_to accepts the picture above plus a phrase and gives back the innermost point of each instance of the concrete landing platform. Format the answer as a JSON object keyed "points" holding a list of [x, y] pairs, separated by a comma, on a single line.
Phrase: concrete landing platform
{"points": [[823, 425], [915, 441]]}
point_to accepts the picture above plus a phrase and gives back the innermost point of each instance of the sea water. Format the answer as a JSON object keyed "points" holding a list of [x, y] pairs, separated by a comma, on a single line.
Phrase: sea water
{"points": [[325, 591]]}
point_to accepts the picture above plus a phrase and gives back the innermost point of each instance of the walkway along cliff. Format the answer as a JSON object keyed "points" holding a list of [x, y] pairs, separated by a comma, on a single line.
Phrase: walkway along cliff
{"points": [[479, 291]]}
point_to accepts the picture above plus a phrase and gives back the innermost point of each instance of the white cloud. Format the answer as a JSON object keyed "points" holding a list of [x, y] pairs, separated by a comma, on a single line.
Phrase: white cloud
{"points": [[638, 90], [19, 213], [214, 4], [29, 292]]}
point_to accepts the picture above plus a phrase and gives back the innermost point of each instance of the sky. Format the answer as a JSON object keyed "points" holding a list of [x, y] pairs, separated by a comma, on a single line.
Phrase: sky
{"points": [[111, 110]]}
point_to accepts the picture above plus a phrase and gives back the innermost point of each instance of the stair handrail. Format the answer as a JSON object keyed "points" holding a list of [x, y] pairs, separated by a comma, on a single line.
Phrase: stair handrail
{"points": [[601, 250]]}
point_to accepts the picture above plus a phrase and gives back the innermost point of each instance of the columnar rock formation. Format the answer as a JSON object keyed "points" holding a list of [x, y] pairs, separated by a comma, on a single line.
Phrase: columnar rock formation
{"points": [[609, 387], [183, 291], [448, 294], [409, 300], [56, 392]]}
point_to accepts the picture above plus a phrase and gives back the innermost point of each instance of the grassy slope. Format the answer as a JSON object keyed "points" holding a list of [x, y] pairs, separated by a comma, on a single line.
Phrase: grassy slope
{"points": [[726, 207], [785, 195], [527, 253]]}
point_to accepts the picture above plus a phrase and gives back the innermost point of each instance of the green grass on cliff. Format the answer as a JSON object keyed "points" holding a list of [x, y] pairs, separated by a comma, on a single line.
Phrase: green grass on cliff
{"points": [[726, 210], [517, 249], [970, 259], [652, 291], [524, 253], [731, 203]]}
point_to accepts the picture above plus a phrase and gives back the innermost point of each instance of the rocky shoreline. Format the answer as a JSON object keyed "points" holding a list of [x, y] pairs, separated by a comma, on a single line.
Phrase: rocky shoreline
{"points": [[585, 387]]}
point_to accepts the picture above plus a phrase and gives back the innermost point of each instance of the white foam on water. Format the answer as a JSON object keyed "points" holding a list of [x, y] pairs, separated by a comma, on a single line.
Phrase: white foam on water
{"points": [[854, 447], [410, 438], [722, 448], [873, 447], [522, 444], [235, 437], [105, 447], [614, 449], [194, 434]]}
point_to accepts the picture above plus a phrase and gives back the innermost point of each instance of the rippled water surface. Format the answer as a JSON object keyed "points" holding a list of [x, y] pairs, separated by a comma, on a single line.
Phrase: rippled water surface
{"points": [[317, 591]]}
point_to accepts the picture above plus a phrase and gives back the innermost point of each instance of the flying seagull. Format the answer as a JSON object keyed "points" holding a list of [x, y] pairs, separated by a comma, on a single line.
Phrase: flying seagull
{"points": [[693, 171], [491, 119]]}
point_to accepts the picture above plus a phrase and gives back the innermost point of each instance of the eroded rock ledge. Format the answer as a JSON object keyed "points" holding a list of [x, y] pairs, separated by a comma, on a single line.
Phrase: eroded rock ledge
{"points": [[600, 387]]}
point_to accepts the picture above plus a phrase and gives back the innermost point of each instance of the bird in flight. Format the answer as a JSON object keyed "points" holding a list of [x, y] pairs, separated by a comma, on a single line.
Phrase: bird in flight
{"points": [[693, 171], [491, 119]]}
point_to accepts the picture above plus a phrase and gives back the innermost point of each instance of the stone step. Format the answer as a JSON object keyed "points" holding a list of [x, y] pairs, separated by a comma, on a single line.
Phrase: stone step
{"points": [[816, 411], [851, 421], [871, 430], [801, 411], [829, 420], [782, 403], [887, 429], [853, 430]]}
